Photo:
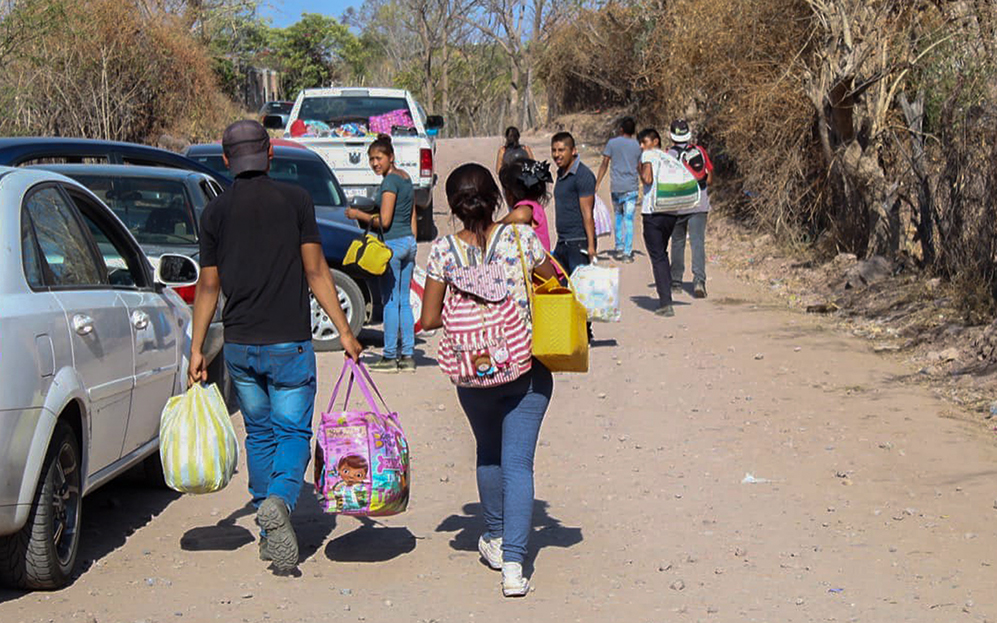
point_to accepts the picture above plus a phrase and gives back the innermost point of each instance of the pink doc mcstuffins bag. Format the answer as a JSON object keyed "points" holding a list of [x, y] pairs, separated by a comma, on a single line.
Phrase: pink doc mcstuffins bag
{"points": [[361, 457]]}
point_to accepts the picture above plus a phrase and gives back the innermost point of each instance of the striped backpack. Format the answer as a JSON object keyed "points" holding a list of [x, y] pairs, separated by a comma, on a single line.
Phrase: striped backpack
{"points": [[485, 339], [676, 188]]}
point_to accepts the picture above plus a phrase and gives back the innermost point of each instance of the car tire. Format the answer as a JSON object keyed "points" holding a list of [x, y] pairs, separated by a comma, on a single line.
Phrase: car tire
{"points": [[42, 554], [425, 224], [325, 337]]}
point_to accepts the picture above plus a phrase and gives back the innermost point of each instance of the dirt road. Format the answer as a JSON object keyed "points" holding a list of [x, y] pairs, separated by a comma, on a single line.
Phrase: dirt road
{"points": [[869, 503]]}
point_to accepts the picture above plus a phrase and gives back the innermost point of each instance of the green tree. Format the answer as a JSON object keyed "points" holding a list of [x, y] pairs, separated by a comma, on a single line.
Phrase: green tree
{"points": [[316, 51]]}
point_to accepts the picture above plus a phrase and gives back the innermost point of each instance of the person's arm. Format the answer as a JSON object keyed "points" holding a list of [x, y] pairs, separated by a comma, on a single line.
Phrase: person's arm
{"points": [[498, 160], [323, 286], [586, 201], [205, 303], [602, 171], [529, 152], [432, 304], [546, 269], [709, 167], [646, 173], [522, 215], [588, 220], [415, 219], [383, 217]]}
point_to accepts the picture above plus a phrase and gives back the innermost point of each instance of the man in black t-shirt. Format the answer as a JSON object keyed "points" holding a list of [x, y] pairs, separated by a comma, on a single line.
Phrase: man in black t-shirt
{"points": [[260, 245]]}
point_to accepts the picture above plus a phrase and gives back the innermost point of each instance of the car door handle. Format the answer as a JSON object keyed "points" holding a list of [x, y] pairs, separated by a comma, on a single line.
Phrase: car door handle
{"points": [[82, 324], [140, 319]]}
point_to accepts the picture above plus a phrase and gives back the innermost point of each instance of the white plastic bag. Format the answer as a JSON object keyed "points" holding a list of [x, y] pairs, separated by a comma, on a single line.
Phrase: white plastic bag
{"points": [[197, 443], [603, 218], [598, 290]]}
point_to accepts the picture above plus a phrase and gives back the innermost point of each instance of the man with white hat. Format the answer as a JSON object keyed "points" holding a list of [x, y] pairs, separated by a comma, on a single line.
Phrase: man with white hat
{"points": [[691, 222]]}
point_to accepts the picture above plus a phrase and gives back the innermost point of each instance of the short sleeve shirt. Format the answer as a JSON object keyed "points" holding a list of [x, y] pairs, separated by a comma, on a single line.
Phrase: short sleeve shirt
{"points": [[507, 252], [401, 222], [253, 234], [651, 156], [572, 185], [624, 153]]}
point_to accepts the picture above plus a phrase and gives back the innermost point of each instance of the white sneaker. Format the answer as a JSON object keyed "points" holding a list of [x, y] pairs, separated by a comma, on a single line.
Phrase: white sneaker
{"points": [[491, 551], [513, 582]]}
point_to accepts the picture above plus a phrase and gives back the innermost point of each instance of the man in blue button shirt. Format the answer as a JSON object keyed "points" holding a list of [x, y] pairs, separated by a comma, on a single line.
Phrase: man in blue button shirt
{"points": [[574, 199]]}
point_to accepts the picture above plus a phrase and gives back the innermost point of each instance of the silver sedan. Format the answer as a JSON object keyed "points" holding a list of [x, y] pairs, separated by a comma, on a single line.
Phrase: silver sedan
{"points": [[92, 346]]}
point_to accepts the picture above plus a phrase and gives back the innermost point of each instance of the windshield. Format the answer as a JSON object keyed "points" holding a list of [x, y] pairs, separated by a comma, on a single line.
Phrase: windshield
{"points": [[215, 163], [331, 109], [156, 211], [312, 175], [280, 108]]}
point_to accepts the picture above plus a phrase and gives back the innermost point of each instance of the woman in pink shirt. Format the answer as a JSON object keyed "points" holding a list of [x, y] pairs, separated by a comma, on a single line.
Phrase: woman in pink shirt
{"points": [[524, 184]]}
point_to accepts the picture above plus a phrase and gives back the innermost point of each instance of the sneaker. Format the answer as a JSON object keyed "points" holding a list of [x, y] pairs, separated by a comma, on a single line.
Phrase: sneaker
{"points": [[264, 550], [513, 582], [699, 290], [665, 310], [406, 364], [384, 365], [282, 544], [676, 286], [627, 259], [491, 551]]}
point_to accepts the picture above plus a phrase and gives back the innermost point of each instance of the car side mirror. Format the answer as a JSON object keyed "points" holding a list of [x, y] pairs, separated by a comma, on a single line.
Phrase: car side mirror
{"points": [[273, 122], [362, 203], [177, 271], [434, 122]]}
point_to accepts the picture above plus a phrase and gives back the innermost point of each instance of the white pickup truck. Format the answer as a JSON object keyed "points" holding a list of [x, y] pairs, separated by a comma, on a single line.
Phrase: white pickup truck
{"points": [[340, 123]]}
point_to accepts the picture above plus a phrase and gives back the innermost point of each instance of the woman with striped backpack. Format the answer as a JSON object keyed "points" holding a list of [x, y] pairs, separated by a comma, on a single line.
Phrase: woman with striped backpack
{"points": [[476, 289]]}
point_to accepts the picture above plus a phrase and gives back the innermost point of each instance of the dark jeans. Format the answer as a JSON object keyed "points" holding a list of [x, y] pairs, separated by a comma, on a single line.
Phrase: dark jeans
{"points": [[657, 232], [275, 384], [506, 423], [571, 254]]}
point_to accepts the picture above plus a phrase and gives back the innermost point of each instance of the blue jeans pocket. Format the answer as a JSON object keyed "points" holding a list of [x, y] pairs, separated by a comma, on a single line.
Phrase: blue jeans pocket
{"points": [[292, 365]]}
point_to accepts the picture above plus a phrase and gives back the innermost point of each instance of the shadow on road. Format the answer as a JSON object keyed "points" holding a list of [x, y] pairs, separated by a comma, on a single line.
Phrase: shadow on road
{"points": [[111, 515], [547, 531], [651, 303], [312, 525], [224, 536], [371, 542]]}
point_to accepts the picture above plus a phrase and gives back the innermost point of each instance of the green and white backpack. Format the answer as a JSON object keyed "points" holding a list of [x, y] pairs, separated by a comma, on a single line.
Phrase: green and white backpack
{"points": [[675, 187]]}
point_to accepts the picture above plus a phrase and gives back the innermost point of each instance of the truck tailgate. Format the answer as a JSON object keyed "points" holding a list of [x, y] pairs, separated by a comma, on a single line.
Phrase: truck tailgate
{"points": [[348, 157]]}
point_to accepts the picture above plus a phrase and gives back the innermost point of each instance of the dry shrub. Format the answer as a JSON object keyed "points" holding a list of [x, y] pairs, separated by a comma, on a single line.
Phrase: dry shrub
{"points": [[109, 71]]}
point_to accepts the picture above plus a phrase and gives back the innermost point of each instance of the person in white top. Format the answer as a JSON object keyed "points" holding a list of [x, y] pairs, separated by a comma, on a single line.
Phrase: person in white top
{"points": [[658, 226]]}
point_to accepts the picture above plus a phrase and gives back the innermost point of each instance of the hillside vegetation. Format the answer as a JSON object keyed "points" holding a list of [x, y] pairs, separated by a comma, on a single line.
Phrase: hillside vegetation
{"points": [[863, 126]]}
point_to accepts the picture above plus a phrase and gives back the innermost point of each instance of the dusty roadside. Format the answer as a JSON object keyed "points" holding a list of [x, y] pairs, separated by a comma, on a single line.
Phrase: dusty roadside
{"points": [[868, 502]]}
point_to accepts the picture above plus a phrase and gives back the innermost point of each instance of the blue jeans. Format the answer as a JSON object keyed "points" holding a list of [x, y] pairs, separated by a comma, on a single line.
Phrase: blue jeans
{"points": [[506, 423], [275, 384], [695, 226], [399, 324], [625, 206]]}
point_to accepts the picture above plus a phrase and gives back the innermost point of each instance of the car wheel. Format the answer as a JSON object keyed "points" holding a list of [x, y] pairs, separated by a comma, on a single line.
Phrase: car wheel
{"points": [[325, 336], [425, 224], [42, 555]]}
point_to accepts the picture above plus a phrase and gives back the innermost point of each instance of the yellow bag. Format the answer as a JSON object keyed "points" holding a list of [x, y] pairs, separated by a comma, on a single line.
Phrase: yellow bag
{"points": [[197, 443], [560, 335], [369, 254]]}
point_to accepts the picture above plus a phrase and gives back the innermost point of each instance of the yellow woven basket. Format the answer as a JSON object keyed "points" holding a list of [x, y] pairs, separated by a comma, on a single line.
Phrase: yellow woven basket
{"points": [[560, 338]]}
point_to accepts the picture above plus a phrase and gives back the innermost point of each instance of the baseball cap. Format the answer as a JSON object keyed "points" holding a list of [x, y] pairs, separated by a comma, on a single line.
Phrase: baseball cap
{"points": [[679, 131], [246, 144]]}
